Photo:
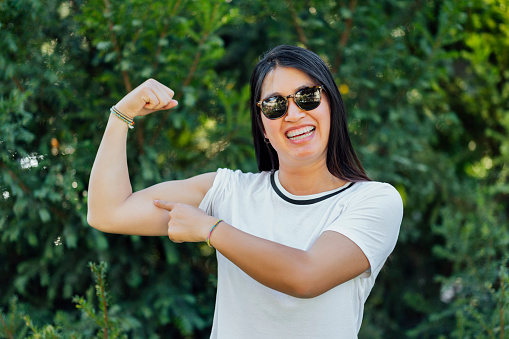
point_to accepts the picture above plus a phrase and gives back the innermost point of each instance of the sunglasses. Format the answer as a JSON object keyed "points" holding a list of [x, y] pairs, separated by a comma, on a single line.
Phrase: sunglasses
{"points": [[306, 99]]}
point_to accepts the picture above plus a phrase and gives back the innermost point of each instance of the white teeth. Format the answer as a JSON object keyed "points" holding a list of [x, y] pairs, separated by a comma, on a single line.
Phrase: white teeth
{"points": [[300, 133], [302, 136]]}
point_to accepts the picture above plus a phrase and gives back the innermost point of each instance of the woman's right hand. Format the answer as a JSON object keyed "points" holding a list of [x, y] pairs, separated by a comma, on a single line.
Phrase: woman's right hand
{"points": [[149, 97]]}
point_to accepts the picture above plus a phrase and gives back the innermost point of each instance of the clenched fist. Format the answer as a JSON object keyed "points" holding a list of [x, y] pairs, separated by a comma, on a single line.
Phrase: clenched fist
{"points": [[149, 97]]}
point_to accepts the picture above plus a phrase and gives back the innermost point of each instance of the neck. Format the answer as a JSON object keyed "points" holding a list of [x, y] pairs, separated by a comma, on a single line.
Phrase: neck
{"points": [[306, 180]]}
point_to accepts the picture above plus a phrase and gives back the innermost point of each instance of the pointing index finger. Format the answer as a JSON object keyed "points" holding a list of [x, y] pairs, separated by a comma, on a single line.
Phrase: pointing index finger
{"points": [[164, 204]]}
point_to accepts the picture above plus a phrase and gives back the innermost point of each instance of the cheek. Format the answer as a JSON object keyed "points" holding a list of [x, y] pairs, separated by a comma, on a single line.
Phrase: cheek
{"points": [[325, 124], [328, 127], [272, 131], [268, 127]]}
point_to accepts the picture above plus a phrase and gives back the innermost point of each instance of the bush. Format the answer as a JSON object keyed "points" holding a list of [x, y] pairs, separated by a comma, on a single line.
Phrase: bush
{"points": [[426, 87]]}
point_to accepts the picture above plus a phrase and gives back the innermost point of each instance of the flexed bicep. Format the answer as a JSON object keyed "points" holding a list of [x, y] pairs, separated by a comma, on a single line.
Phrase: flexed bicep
{"points": [[137, 215], [112, 205]]}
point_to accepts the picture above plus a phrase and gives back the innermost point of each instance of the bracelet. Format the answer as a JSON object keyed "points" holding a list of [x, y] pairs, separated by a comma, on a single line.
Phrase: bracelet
{"points": [[211, 230], [123, 117]]}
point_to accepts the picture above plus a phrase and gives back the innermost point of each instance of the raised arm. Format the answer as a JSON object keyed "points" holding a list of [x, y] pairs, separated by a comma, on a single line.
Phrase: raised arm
{"points": [[112, 205]]}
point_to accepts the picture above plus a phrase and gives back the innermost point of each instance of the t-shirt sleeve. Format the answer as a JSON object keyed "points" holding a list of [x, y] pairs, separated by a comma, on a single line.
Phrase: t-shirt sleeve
{"points": [[372, 221], [216, 192]]}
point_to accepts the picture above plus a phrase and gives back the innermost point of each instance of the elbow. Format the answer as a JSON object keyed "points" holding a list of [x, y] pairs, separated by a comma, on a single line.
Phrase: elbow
{"points": [[103, 222], [97, 216], [91, 216], [304, 290], [304, 285], [94, 221]]}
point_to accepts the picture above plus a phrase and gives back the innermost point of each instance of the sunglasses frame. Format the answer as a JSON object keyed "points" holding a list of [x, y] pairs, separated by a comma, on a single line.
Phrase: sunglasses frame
{"points": [[259, 103]]}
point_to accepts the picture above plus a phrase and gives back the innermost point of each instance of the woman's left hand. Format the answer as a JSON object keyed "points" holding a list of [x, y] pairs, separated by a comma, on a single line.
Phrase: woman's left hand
{"points": [[187, 223]]}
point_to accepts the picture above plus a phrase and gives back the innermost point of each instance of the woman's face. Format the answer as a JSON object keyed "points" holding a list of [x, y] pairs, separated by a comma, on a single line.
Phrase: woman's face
{"points": [[299, 137]]}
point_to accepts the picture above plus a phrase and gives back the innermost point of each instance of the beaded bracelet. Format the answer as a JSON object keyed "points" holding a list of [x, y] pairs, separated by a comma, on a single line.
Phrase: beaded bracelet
{"points": [[212, 229], [123, 117]]}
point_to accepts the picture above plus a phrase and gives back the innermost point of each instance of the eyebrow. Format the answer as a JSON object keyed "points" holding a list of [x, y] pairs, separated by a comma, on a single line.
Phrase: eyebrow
{"points": [[273, 94]]}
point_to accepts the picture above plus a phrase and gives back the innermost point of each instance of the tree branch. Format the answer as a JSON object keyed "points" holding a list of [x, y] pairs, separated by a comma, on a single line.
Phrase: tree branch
{"points": [[7, 331], [105, 305], [189, 77], [163, 34], [125, 76], [502, 287], [344, 37], [18, 84], [296, 24]]}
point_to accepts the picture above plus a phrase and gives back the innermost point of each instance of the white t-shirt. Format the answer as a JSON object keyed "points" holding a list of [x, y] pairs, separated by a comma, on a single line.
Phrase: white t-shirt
{"points": [[368, 213]]}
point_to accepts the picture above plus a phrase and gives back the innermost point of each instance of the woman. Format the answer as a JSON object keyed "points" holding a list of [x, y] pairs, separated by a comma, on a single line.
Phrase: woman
{"points": [[299, 244]]}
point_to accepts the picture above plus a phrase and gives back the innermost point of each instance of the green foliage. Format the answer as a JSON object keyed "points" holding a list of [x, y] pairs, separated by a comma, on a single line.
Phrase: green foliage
{"points": [[107, 322], [12, 324], [484, 313], [109, 326], [55, 97], [426, 87]]}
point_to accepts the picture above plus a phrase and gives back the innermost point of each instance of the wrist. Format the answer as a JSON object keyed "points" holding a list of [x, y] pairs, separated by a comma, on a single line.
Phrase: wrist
{"points": [[122, 116], [125, 111], [113, 119], [212, 229]]}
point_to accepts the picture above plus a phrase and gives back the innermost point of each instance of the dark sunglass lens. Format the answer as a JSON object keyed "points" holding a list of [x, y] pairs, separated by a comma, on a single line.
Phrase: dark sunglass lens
{"points": [[308, 98], [274, 107]]}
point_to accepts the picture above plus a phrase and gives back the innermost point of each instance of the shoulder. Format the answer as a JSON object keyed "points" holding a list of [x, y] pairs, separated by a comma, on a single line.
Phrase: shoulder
{"points": [[227, 185], [379, 195], [237, 177], [203, 182], [374, 189]]}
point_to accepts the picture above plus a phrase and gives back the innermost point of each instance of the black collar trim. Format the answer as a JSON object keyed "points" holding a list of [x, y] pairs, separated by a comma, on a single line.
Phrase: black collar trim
{"points": [[304, 202]]}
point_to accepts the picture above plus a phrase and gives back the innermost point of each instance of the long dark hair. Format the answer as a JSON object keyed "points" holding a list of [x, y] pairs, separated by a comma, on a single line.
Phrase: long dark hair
{"points": [[342, 161]]}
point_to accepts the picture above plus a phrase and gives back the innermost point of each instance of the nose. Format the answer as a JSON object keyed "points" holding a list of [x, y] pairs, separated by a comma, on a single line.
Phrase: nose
{"points": [[294, 112]]}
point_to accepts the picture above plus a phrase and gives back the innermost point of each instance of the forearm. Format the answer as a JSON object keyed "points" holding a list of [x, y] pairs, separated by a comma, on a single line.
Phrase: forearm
{"points": [[109, 184], [331, 260], [274, 265]]}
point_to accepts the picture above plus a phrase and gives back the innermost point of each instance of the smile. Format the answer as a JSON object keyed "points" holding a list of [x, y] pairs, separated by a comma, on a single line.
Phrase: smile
{"points": [[300, 133]]}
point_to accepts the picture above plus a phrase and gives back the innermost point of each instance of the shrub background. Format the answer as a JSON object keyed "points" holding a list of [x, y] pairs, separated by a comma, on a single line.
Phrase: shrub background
{"points": [[426, 88]]}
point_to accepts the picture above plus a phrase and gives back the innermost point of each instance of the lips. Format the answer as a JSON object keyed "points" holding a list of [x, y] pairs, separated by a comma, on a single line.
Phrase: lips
{"points": [[300, 133]]}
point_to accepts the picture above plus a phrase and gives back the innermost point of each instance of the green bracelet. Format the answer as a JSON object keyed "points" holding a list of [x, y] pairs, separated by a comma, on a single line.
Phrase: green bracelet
{"points": [[212, 229]]}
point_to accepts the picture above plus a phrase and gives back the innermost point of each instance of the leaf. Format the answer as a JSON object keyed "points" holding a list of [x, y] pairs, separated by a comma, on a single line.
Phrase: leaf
{"points": [[103, 45], [44, 215]]}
